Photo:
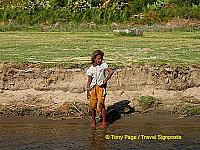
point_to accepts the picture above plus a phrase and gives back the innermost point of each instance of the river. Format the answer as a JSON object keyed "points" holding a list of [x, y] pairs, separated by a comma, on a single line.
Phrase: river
{"points": [[130, 132]]}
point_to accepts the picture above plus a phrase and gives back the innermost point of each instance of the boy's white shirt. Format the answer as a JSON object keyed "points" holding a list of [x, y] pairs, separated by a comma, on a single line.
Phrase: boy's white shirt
{"points": [[98, 74]]}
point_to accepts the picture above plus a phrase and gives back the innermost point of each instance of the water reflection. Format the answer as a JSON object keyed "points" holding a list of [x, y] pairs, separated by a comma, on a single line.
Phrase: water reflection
{"points": [[77, 134], [97, 141]]}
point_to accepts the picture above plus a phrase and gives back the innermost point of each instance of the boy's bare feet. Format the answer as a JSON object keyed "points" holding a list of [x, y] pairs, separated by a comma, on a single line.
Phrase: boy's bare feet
{"points": [[104, 125]]}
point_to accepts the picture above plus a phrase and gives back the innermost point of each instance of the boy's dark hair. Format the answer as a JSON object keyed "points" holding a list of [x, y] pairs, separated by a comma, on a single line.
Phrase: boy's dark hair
{"points": [[94, 55]]}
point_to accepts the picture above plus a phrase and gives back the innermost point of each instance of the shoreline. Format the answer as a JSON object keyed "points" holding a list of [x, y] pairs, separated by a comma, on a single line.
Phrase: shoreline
{"points": [[149, 118], [60, 92]]}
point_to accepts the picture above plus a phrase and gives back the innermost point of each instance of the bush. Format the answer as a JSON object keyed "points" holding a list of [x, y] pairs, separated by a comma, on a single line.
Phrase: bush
{"points": [[186, 2], [146, 102], [40, 11], [162, 11], [152, 17], [188, 110]]}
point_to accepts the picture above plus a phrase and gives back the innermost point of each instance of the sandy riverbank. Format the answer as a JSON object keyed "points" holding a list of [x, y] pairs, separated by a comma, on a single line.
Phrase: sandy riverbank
{"points": [[32, 89]]}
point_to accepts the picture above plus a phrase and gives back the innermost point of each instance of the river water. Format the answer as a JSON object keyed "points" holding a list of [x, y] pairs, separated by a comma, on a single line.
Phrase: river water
{"points": [[130, 132]]}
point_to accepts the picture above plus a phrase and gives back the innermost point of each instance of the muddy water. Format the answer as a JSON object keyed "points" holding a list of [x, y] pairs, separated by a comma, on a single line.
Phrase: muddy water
{"points": [[130, 132]]}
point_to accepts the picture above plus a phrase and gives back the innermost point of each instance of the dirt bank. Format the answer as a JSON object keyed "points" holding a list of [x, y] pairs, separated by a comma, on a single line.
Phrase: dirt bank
{"points": [[58, 91]]}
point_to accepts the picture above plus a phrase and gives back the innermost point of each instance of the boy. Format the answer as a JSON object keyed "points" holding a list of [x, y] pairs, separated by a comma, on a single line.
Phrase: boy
{"points": [[96, 86]]}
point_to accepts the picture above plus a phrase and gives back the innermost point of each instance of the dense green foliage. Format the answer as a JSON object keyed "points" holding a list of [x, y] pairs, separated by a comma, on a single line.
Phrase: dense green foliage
{"points": [[98, 11]]}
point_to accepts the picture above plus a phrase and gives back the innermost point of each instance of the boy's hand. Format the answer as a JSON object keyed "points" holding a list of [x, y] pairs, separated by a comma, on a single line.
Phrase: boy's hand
{"points": [[104, 82], [88, 95]]}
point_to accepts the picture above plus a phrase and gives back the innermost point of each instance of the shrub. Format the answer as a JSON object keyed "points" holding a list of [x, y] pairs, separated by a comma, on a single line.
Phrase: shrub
{"points": [[146, 102], [151, 17], [186, 2], [40, 11], [189, 110]]}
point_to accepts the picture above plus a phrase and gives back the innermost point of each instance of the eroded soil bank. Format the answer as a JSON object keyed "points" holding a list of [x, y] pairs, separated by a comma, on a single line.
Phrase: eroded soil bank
{"points": [[61, 92]]}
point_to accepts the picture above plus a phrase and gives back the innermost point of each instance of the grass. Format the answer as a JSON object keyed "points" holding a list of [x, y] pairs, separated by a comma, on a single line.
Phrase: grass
{"points": [[127, 34], [74, 48], [189, 110], [146, 101]]}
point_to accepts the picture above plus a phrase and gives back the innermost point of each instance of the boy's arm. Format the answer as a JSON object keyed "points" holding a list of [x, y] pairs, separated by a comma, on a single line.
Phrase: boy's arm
{"points": [[89, 82], [110, 73], [88, 86]]}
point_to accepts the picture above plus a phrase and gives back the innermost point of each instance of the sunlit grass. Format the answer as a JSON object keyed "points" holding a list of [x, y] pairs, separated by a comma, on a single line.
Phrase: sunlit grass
{"points": [[74, 49]]}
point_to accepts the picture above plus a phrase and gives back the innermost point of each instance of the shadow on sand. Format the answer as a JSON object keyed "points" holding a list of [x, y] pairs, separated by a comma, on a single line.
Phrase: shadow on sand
{"points": [[115, 111]]}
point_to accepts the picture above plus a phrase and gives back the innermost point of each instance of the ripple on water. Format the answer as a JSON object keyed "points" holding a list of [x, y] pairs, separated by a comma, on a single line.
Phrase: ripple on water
{"points": [[79, 135]]}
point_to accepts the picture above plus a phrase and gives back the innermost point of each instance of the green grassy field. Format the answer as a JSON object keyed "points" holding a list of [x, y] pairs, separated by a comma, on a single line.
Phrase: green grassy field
{"points": [[74, 49]]}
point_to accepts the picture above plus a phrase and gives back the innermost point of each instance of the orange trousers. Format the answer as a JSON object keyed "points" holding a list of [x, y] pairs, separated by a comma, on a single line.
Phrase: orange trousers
{"points": [[97, 98]]}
